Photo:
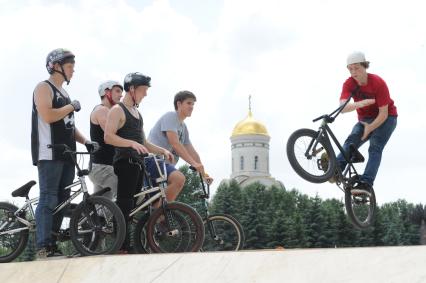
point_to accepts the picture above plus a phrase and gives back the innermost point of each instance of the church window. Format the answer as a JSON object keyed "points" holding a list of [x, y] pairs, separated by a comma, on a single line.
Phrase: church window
{"points": [[256, 160], [242, 163]]}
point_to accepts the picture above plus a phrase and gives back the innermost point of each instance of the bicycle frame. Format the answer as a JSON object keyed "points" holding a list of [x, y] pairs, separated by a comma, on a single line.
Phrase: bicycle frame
{"points": [[161, 189], [28, 206], [326, 132]]}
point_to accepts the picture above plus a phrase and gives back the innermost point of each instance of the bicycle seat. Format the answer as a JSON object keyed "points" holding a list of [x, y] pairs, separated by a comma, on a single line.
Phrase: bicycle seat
{"points": [[24, 190], [354, 155]]}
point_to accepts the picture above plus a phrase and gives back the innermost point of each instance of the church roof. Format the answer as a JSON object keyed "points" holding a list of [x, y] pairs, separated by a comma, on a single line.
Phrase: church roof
{"points": [[249, 126]]}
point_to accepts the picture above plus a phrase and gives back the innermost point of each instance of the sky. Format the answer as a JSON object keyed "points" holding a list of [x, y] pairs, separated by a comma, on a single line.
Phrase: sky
{"points": [[290, 56]]}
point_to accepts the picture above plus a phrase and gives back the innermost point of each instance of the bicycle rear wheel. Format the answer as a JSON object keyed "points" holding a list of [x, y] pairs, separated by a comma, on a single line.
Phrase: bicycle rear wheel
{"points": [[12, 240], [307, 153], [361, 209], [223, 233], [97, 226], [179, 229]]}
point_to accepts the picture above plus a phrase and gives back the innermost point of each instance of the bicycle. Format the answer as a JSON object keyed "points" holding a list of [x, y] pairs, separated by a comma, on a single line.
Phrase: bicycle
{"points": [[224, 232], [173, 227], [96, 226], [312, 156]]}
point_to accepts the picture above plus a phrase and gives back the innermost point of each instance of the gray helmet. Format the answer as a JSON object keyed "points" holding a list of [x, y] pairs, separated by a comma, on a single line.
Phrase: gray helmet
{"points": [[59, 55], [108, 85], [136, 79]]}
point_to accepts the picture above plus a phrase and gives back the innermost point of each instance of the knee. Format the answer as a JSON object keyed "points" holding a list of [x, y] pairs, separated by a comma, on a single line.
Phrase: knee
{"points": [[177, 178], [375, 145], [375, 148]]}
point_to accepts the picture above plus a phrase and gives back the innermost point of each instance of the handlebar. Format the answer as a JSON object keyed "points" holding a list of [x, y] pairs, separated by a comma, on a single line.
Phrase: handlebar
{"points": [[329, 118], [206, 192], [66, 149]]}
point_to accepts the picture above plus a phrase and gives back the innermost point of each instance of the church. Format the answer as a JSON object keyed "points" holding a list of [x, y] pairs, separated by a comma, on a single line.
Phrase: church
{"points": [[250, 153]]}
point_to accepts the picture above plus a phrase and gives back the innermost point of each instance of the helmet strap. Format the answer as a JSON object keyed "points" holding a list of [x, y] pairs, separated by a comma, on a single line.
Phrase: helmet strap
{"points": [[62, 72], [109, 97], [134, 100]]}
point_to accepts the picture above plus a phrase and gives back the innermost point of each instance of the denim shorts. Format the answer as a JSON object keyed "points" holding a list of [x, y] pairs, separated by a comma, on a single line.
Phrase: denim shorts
{"points": [[152, 169]]}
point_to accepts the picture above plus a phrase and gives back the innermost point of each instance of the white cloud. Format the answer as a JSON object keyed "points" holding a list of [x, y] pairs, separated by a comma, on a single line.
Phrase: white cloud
{"points": [[288, 54]]}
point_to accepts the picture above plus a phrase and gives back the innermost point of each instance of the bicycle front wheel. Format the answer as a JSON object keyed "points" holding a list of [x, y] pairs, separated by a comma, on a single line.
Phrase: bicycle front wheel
{"points": [[13, 235], [139, 235], [223, 233], [312, 157], [97, 226], [176, 228], [361, 209]]}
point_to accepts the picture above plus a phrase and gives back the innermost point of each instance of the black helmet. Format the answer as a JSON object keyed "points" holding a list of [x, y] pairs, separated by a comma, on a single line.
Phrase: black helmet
{"points": [[136, 79], [59, 55]]}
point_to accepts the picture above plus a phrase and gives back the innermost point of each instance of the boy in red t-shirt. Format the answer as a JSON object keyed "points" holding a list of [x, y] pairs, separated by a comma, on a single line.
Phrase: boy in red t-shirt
{"points": [[377, 117]]}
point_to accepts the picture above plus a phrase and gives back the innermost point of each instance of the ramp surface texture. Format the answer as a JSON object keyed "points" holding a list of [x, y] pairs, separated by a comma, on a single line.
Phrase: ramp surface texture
{"points": [[384, 264]]}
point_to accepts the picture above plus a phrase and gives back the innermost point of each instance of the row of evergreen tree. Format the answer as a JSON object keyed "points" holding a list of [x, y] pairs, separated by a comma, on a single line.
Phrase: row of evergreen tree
{"points": [[275, 217]]}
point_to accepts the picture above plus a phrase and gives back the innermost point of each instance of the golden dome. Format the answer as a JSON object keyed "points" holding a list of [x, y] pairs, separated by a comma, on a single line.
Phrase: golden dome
{"points": [[249, 126]]}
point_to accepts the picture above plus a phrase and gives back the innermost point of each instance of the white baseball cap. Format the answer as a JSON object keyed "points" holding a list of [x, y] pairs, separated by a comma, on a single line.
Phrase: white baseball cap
{"points": [[356, 57], [108, 85]]}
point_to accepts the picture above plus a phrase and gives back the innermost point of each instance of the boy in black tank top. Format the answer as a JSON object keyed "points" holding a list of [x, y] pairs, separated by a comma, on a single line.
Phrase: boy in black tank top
{"points": [[124, 130], [102, 174], [53, 123]]}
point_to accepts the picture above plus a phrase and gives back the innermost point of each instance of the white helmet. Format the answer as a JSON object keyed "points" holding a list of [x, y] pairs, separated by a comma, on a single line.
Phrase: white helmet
{"points": [[356, 57], [108, 85]]}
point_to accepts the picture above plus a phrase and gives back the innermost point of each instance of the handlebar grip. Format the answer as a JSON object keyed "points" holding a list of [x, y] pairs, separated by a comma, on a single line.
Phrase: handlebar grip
{"points": [[319, 118], [192, 168]]}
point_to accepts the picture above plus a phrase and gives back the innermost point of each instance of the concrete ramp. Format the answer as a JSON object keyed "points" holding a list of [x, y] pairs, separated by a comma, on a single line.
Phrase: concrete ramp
{"points": [[385, 264]]}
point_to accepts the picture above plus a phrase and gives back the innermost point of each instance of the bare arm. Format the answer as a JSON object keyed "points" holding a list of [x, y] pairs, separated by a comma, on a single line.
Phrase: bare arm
{"points": [[79, 137], [99, 116], [115, 120], [43, 102], [194, 154], [180, 149], [191, 150], [381, 117], [351, 106], [159, 150]]}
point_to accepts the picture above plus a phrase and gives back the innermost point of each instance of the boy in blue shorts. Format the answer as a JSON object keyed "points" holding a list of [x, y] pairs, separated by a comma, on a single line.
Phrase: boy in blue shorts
{"points": [[170, 132]]}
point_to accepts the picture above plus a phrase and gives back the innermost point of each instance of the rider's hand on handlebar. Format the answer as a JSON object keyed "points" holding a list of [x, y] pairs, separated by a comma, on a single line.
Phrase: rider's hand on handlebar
{"points": [[91, 146], [169, 156], [365, 102], [199, 167], [139, 148], [208, 179]]}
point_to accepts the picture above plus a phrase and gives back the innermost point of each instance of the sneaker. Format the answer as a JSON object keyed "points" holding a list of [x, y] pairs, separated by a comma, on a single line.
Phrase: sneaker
{"points": [[54, 251], [361, 189], [41, 254]]}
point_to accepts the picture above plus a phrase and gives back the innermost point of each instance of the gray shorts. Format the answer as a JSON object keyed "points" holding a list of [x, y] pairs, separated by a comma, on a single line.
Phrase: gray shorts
{"points": [[103, 176]]}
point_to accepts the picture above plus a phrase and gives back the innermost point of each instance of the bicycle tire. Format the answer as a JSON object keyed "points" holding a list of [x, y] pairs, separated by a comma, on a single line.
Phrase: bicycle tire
{"points": [[7, 211], [139, 235], [223, 233], [95, 223], [185, 232], [310, 168], [361, 209]]}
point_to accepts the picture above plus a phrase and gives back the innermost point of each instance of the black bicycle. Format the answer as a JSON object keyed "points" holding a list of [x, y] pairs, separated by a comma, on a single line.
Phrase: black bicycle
{"points": [[173, 227], [223, 231], [96, 225], [312, 156]]}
